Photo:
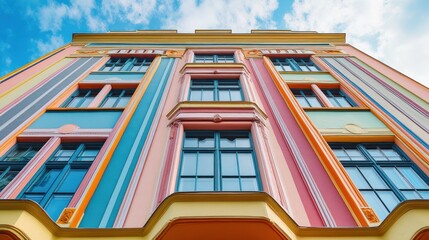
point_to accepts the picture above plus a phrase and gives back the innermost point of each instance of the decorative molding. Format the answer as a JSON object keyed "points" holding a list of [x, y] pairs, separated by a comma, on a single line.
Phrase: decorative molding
{"points": [[370, 215], [175, 53], [66, 215]]}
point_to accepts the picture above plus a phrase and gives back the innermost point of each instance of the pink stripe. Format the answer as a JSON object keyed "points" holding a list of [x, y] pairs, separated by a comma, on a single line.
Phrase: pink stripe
{"points": [[21, 97]]}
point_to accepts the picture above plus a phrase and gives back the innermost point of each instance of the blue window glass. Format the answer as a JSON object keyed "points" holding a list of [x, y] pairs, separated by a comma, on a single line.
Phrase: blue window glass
{"points": [[127, 65], [218, 161], [56, 182], [117, 98], [306, 98], [294, 64], [214, 58], [81, 98], [338, 98], [15, 160], [383, 174], [215, 90]]}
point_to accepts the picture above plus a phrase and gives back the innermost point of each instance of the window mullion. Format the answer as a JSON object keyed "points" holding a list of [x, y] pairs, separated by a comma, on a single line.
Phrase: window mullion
{"points": [[218, 164]]}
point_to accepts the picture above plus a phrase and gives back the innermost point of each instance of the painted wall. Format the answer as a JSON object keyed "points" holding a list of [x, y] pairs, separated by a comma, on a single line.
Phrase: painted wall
{"points": [[105, 203]]}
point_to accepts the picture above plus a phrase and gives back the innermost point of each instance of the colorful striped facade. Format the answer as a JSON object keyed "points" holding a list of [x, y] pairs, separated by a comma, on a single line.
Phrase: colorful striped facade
{"points": [[212, 135]]}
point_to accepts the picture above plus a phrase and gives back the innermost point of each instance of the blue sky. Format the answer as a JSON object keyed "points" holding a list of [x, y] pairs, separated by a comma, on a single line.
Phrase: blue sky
{"points": [[394, 31]]}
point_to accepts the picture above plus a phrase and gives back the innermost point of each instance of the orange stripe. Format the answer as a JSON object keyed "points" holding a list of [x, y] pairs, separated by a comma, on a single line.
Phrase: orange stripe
{"points": [[341, 180]]}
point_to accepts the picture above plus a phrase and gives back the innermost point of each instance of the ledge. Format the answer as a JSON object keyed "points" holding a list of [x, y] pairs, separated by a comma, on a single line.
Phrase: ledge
{"points": [[215, 208]]}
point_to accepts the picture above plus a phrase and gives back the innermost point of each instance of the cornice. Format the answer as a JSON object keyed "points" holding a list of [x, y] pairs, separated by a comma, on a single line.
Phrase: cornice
{"points": [[215, 37]]}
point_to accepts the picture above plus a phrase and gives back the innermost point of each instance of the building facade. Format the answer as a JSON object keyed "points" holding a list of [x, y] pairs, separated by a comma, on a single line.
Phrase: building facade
{"points": [[212, 135]]}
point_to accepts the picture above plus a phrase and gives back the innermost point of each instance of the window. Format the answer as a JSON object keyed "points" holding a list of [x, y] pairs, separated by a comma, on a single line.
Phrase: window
{"points": [[218, 161], [15, 160], [214, 58], [338, 98], [383, 174], [294, 64], [215, 90], [306, 98], [56, 182], [127, 65], [117, 98], [81, 98]]}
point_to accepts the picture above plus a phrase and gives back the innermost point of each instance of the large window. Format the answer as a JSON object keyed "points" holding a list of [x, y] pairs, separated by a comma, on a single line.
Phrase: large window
{"points": [[117, 98], [295, 64], [81, 98], [383, 173], [15, 160], [218, 161], [214, 58], [127, 65], [215, 90], [56, 182]]}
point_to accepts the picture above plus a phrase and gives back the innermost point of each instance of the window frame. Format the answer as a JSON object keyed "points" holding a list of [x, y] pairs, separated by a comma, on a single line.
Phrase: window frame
{"points": [[88, 93], [217, 150], [64, 168], [303, 94], [123, 93], [215, 87], [295, 64], [214, 58], [7, 166], [127, 65], [330, 95], [370, 162]]}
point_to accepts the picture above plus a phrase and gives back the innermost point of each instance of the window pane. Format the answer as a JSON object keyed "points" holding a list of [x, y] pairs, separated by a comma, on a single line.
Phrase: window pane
{"points": [[187, 184], [236, 95], [413, 178], [234, 141], [206, 142], [389, 199], [224, 95], [229, 164], [411, 195], [357, 178], [189, 164], [109, 102], [342, 102], [376, 204], [302, 101], [230, 184], [314, 102], [35, 197], [205, 164], [56, 205], [7, 178], [249, 184], [205, 184], [123, 102], [72, 181], [88, 155], [391, 155], [246, 164], [195, 95], [396, 178], [373, 178], [207, 95], [45, 181], [62, 155]]}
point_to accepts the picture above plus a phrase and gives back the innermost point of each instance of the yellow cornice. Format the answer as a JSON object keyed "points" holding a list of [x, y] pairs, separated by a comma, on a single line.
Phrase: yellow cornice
{"points": [[210, 37], [397, 221]]}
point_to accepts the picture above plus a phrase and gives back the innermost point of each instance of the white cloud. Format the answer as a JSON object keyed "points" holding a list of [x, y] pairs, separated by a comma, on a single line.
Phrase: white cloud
{"points": [[133, 11], [238, 15], [42, 47], [381, 28]]}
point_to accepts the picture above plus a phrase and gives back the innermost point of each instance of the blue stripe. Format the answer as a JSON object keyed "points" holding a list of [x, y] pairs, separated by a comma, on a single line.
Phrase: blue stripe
{"points": [[378, 105], [106, 201]]}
